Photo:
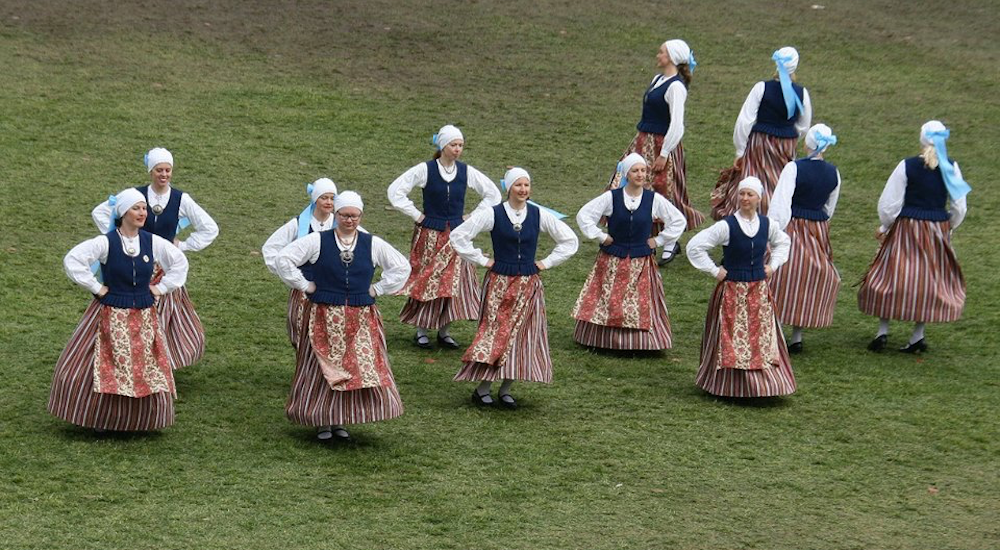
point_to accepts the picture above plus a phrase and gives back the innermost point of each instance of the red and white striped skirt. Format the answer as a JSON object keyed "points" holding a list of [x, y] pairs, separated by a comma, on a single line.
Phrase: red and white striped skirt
{"points": [[805, 287], [671, 182], [764, 158], [915, 275], [442, 286], [72, 396], [297, 302], [512, 342], [181, 325], [622, 306], [312, 401], [743, 354]]}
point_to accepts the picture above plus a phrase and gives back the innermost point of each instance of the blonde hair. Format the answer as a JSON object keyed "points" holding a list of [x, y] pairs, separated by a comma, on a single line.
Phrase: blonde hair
{"points": [[929, 154]]}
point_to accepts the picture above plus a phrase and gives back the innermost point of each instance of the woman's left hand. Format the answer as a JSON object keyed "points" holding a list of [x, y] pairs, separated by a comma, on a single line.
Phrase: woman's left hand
{"points": [[659, 164], [768, 271], [651, 242], [539, 265], [156, 291], [371, 291]]}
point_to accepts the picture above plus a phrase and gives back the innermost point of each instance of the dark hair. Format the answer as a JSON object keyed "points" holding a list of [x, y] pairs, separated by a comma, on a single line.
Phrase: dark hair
{"points": [[437, 154], [685, 71], [118, 221]]}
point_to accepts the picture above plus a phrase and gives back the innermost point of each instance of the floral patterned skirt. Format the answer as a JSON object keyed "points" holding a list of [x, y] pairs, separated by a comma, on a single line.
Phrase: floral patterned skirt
{"points": [[442, 286]]}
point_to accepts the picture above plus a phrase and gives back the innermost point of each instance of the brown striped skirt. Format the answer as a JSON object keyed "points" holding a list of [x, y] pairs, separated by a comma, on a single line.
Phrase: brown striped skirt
{"points": [[764, 158], [622, 306], [442, 286], [770, 373], [181, 325], [915, 275], [297, 302], [312, 402], [72, 396], [805, 287], [671, 182], [512, 341]]}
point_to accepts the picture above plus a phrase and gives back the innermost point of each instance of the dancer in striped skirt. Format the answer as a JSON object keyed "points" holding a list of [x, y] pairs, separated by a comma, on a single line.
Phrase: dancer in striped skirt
{"points": [[171, 210], [775, 114], [743, 352], [661, 129], [442, 286], [115, 373], [915, 275], [342, 373], [512, 342], [622, 305], [316, 217], [805, 288]]}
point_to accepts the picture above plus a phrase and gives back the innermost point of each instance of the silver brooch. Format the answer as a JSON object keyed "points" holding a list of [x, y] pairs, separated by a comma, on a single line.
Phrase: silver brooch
{"points": [[346, 256], [157, 210], [130, 251], [517, 227]]}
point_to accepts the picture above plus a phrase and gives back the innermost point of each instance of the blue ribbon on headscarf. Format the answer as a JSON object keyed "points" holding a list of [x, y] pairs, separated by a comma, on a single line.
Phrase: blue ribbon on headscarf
{"points": [[691, 62], [557, 214], [623, 180], [791, 98], [434, 141], [305, 218], [822, 142], [957, 187]]}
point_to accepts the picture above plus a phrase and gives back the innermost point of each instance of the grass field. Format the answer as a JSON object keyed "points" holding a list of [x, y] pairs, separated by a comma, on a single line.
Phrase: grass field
{"points": [[874, 451]]}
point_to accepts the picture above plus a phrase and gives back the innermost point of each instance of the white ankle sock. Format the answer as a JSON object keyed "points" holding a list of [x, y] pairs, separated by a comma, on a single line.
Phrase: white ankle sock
{"points": [[505, 387], [918, 333], [421, 332], [443, 331], [796, 335], [883, 327]]}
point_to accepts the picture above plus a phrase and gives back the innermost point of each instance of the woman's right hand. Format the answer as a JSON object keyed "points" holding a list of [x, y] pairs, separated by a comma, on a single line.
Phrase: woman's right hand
{"points": [[721, 275], [879, 235], [608, 241], [420, 219], [489, 263], [103, 292], [311, 288]]}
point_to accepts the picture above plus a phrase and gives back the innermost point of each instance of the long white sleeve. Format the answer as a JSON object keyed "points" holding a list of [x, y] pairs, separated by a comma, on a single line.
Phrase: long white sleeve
{"points": [[590, 215], [77, 263], [462, 236], [804, 121], [831, 201], [891, 201], [566, 242], [675, 97], [399, 190], [747, 118], [781, 245], [173, 262], [483, 185], [294, 254], [395, 267], [205, 228], [780, 209], [277, 241], [102, 217], [957, 209], [674, 222], [707, 239]]}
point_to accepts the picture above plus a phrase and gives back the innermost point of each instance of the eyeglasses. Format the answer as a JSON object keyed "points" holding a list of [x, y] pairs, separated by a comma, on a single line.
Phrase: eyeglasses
{"points": [[349, 217]]}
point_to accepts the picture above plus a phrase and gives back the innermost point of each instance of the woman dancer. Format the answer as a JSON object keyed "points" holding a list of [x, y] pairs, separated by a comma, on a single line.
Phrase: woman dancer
{"points": [[743, 352], [171, 210], [805, 288], [915, 275], [512, 342], [342, 373], [661, 129], [773, 117], [115, 373], [316, 217], [442, 286], [622, 305]]}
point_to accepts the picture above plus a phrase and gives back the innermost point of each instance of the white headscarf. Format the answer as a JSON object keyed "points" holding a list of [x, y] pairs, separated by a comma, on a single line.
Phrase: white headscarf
{"points": [[792, 55], [678, 50], [321, 187], [446, 135], [158, 155], [928, 127], [820, 132], [348, 198], [513, 175], [751, 182], [127, 199], [628, 162]]}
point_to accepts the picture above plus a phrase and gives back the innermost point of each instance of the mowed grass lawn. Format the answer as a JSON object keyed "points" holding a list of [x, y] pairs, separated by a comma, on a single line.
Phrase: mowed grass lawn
{"points": [[256, 99]]}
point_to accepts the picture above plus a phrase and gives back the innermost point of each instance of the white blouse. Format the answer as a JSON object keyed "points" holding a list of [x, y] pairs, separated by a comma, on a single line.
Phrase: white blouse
{"points": [[400, 189], [718, 234], [891, 202], [77, 262], [205, 230], [748, 117], [285, 235], [780, 209], [482, 220], [395, 266], [590, 216], [675, 97]]}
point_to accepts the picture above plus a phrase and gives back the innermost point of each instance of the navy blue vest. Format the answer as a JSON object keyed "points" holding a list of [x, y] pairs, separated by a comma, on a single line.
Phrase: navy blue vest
{"points": [[127, 278], [772, 115], [444, 202], [164, 224], [514, 251], [743, 257], [926, 195], [655, 110], [814, 182], [342, 284], [630, 230]]}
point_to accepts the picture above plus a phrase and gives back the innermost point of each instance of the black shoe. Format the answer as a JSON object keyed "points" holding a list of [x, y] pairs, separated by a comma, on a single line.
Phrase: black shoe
{"points": [[917, 347], [795, 347], [447, 342], [879, 343], [507, 401], [481, 400], [340, 434], [664, 260], [422, 342]]}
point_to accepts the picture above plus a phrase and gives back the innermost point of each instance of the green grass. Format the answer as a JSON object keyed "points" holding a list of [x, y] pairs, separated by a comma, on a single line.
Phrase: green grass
{"points": [[884, 451]]}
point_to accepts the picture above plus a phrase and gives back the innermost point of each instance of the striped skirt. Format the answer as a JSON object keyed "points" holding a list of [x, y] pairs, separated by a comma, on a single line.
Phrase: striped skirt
{"points": [[915, 275], [512, 342], [73, 399], [312, 402], [297, 302], [671, 182], [182, 327], [771, 376], [764, 158], [622, 306], [805, 287], [442, 286]]}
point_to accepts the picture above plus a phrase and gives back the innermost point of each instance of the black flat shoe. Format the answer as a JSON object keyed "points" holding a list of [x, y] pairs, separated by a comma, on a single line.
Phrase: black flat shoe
{"points": [[879, 343], [448, 342], [795, 347], [507, 401], [422, 342], [340, 434], [481, 400], [917, 347], [673, 255]]}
